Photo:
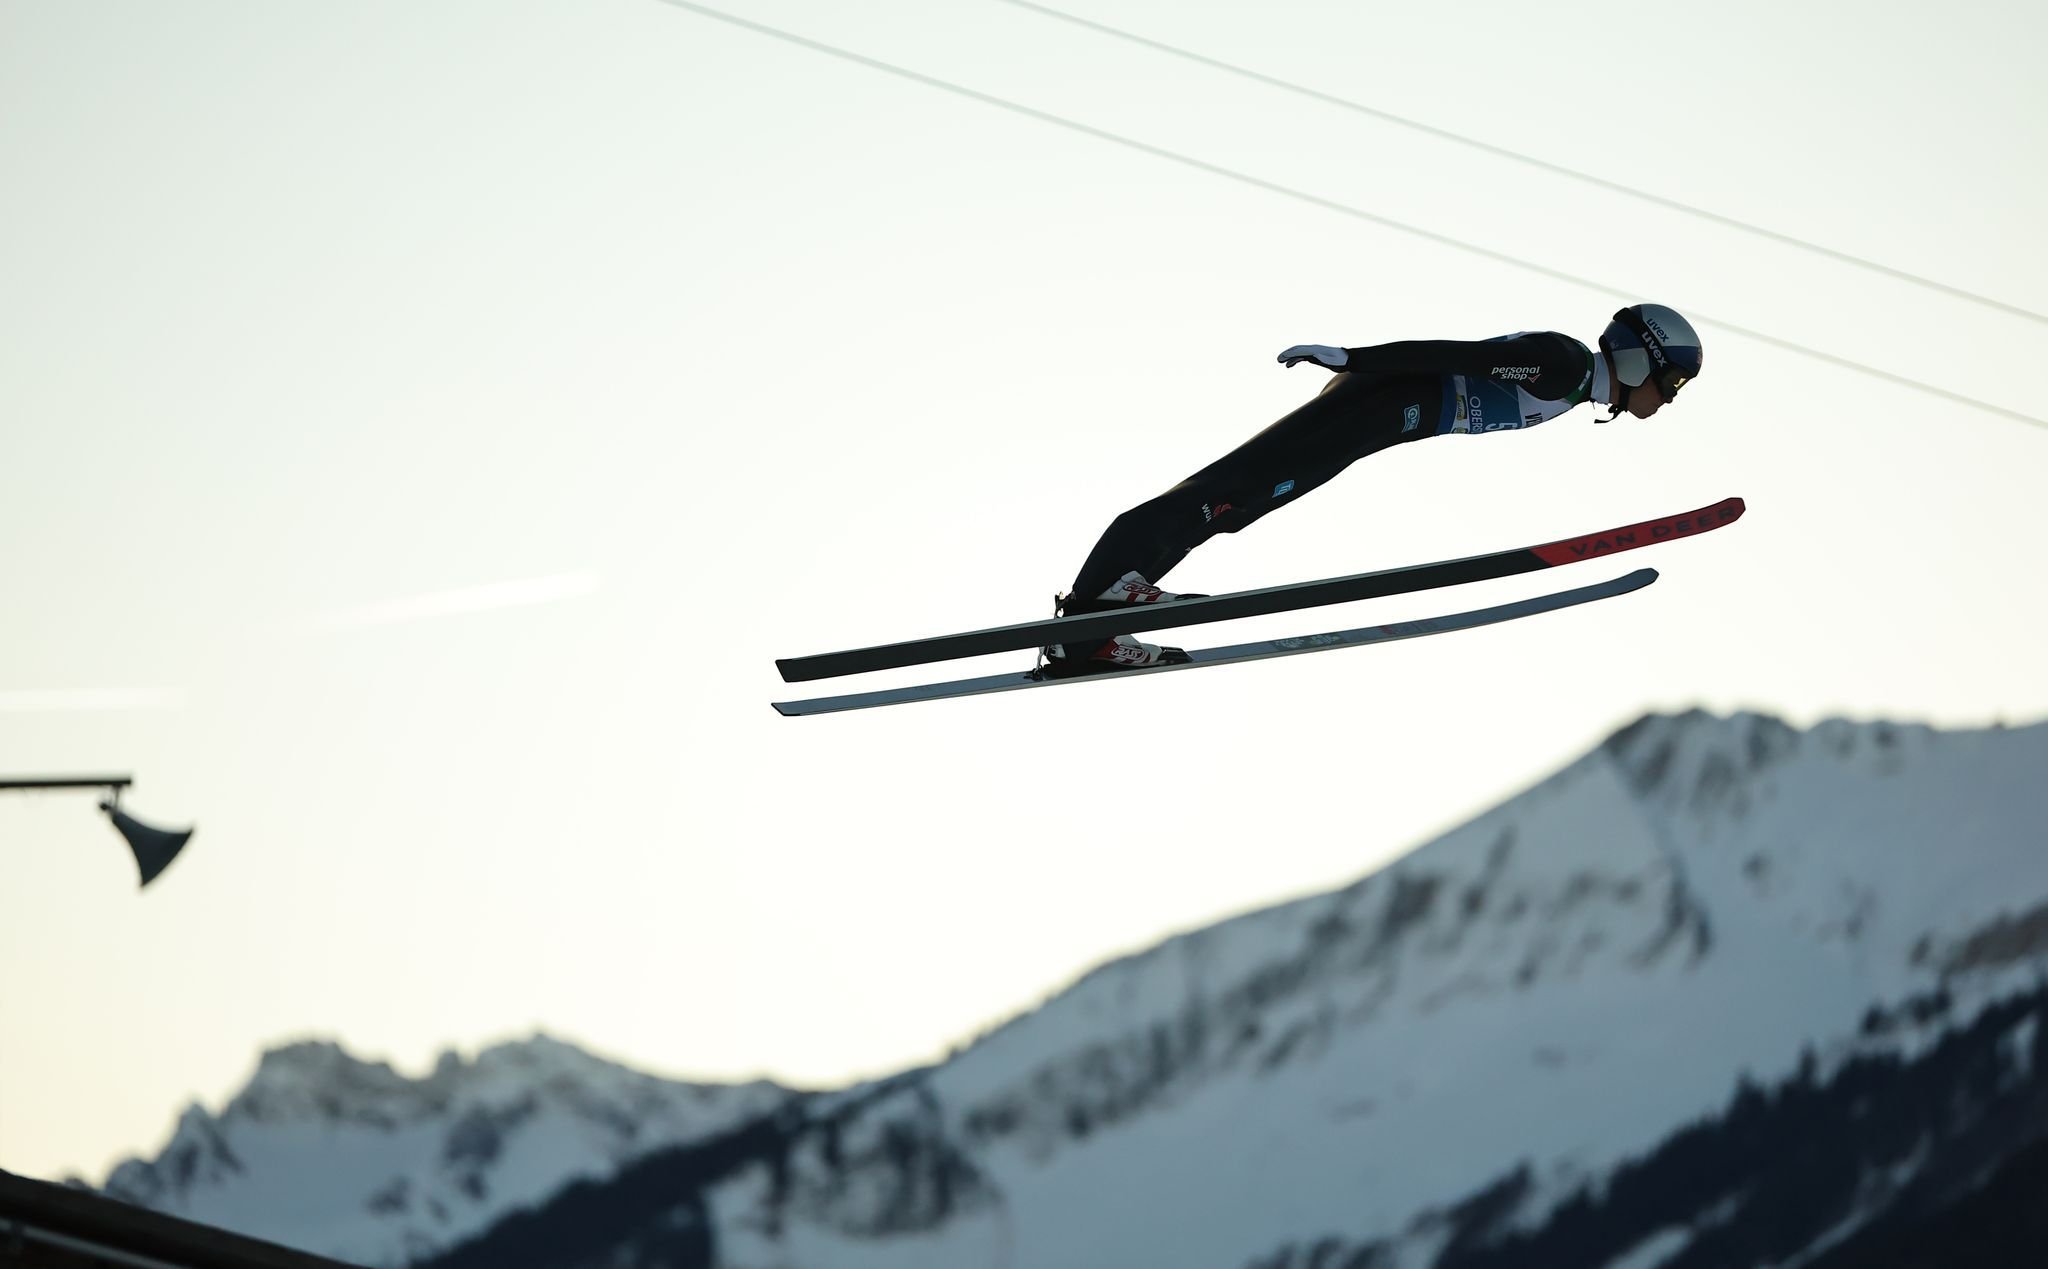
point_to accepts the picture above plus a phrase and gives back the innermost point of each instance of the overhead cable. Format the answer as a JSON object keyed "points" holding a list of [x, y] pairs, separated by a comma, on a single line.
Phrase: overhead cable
{"points": [[1328, 204], [1555, 169]]}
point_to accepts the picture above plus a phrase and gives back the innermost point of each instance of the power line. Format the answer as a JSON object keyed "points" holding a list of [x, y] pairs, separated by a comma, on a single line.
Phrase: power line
{"points": [[1616, 187], [1316, 200]]}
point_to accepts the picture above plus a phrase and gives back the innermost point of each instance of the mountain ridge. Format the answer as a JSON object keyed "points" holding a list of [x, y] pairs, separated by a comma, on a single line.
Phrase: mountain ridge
{"points": [[407, 1165], [1695, 902]]}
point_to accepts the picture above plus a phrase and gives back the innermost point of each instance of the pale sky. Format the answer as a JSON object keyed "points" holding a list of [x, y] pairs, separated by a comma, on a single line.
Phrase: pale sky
{"points": [[422, 426]]}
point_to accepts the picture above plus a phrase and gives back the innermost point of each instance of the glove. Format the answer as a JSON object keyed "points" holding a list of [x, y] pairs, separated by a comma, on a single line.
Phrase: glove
{"points": [[1322, 354]]}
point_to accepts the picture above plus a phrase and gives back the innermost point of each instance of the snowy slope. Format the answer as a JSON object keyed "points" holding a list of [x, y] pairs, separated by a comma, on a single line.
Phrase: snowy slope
{"points": [[1562, 980], [353, 1160], [1461, 1041], [1558, 984]]}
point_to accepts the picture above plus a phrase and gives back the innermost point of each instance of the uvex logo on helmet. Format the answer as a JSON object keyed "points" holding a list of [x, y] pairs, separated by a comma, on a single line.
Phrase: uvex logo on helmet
{"points": [[1648, 343]]}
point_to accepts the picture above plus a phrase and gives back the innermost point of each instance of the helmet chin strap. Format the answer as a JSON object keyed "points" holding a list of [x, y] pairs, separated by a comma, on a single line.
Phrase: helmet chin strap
{"points": [[1615, 387]]}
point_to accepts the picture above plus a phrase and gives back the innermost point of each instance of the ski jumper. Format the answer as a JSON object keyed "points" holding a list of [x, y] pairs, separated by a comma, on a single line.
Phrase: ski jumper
{"points": [[1385, 395]]}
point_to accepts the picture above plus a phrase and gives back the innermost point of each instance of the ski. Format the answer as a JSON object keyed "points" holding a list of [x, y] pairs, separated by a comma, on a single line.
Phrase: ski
{"points": [[1203, 657], [1254, 603]]}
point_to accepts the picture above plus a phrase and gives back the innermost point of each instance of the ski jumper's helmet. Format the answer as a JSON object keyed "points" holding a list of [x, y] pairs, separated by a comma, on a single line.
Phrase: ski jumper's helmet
{"points": [[1649, 343]]}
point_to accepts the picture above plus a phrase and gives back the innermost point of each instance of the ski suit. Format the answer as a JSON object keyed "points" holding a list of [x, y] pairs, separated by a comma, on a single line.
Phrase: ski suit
{"points": [[1385, 395]]}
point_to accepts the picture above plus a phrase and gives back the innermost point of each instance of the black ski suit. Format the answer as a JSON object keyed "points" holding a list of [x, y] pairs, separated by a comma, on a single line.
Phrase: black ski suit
{"points": [[1386, 395]]}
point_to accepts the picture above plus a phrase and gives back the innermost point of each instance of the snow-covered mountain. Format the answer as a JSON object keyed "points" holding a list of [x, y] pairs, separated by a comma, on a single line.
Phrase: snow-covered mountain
{"points": [[1461, 1049], [353, 1160], [1577, 1030]]}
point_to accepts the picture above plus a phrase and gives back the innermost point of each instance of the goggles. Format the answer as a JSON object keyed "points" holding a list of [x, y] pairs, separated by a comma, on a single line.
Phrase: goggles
{"points": [[1667, 374]]}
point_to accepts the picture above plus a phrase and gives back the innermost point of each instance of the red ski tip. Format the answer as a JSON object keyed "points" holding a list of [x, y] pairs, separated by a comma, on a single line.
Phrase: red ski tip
{"points": [[1648, 533]]}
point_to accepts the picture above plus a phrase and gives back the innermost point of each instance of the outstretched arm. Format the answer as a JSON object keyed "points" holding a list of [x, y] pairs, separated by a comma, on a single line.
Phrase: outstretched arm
{"points": [[1548, 364]]}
